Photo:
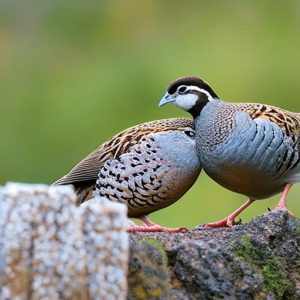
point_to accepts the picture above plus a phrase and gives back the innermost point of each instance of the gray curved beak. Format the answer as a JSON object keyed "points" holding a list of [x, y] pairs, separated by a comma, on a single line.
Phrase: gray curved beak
{"points": [[167, 98]]}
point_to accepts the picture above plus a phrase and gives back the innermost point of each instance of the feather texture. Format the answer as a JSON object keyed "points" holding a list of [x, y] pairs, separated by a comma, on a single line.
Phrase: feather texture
{"points": [[89, 167], [249, 148], [147, 167]]}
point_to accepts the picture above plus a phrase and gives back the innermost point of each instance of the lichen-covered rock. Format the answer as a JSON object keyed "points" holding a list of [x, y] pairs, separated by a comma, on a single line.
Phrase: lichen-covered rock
{"points": [[52, 249], [258, 260], [149, 264], [106, 247]]}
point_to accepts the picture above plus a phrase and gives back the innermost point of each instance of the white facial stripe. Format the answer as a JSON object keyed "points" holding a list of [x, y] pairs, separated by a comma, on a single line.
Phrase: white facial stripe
{"points": [[185, 102], [192, 87]]}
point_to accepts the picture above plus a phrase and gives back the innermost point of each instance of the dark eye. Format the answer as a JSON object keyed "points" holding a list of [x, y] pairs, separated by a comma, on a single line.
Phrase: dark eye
{"points": [[190, 133], [182, 89]]}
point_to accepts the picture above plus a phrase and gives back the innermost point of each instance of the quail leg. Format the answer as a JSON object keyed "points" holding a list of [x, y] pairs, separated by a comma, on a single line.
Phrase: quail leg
{"points": [[282, 202], [229, 221], [149, 226]]}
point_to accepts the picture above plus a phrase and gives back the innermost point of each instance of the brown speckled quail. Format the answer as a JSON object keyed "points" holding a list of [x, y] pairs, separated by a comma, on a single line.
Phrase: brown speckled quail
{"points": [[147, 167]]}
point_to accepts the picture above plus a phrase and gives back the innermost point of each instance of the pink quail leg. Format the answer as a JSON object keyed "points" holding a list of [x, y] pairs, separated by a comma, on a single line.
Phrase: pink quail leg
{"points": [[228, 221], [147, 221], [282, 202], [149, 226]]}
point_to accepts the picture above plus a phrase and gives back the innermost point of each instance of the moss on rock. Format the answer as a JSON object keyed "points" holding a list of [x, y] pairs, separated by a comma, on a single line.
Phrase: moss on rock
{"points": [[149, 277], [258, 260], [245, 248], [275, 277]]}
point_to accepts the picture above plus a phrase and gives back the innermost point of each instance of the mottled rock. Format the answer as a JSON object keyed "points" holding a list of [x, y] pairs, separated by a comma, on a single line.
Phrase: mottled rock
{"points": [[106, 245], [52, 249], [258, 260]]}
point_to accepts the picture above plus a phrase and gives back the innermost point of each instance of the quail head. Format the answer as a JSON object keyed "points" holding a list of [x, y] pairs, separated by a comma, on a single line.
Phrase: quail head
{"points": [[147, 167], [248, 148]]}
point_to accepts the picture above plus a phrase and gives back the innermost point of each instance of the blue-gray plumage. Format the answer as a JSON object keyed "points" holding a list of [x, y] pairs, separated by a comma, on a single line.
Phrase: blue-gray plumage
{"points": [[248, 148], [255, 148]]}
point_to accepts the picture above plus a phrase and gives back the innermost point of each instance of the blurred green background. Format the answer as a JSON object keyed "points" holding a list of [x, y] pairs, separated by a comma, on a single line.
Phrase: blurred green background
{"points": [[74, 73]]}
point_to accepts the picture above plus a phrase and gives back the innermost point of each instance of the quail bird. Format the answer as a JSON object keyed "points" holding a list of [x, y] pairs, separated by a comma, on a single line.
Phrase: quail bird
{"points": [[248, 148], [147, 167]]}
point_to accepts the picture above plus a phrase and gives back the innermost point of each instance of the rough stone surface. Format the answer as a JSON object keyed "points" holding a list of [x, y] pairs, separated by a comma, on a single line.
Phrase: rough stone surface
{"points": [[258, 260], [52, 249]]}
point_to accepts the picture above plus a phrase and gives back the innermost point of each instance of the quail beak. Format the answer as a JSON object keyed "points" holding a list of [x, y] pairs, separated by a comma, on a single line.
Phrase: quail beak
{"points": [[167, 98]]}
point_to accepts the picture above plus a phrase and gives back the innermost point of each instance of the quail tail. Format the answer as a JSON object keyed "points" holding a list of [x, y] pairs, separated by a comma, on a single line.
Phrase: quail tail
{"points": [[149, 226]]}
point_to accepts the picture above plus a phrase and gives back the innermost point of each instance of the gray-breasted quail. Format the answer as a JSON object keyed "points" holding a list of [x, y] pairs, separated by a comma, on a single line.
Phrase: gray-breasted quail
{"points": [[248, 148], [147, 167]]}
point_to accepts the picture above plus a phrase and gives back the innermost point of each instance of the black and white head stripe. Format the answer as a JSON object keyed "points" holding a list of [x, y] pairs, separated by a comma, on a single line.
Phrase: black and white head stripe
{"points": [[190, 83], [192, 89]]}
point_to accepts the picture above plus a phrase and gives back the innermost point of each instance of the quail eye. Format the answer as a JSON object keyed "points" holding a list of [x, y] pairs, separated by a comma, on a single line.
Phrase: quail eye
{"points": [[189, 133], [182, 89]]}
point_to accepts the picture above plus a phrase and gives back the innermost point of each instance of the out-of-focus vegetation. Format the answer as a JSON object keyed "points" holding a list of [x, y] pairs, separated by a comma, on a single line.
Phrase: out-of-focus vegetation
{"points": [[73, 73]]}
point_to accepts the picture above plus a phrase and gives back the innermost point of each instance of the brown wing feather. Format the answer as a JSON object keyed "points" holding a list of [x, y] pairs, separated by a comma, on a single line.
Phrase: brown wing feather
{"points": [[289, 122], [89, 167], [85, 170]]}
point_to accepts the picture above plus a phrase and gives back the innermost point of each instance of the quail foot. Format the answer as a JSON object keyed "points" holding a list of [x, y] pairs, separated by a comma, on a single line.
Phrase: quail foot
{"points": [[248, 148], [147, 167]]}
